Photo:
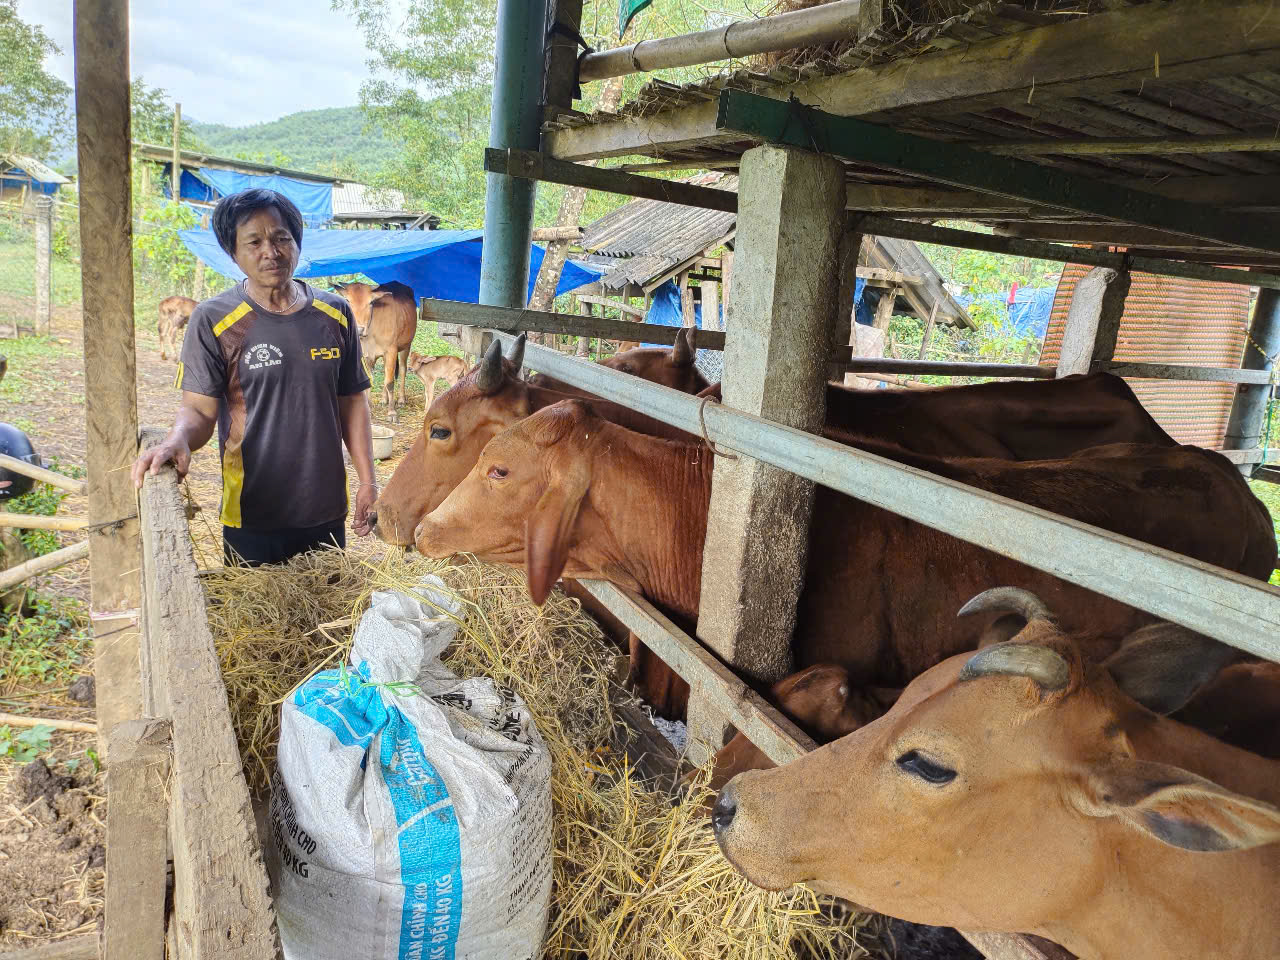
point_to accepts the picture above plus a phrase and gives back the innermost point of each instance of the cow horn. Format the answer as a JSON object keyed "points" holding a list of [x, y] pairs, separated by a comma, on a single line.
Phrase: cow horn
{"points": [[682, 352], [517, 353], [1008, 600], [1046, 667], [490, 376]]}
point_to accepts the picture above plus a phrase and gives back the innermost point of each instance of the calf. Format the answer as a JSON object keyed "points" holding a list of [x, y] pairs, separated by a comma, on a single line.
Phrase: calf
{"points": [[430, 369], [1024, 788], [387, 316], [174, 314], [567, 492]]}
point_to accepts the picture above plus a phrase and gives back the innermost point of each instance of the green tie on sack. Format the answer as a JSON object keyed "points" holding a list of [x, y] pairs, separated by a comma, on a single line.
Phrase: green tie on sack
{"points": [[626, 10]]}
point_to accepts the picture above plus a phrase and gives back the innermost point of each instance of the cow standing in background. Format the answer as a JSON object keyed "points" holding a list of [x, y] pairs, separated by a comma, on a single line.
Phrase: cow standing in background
{"points": [[429, 369], [174, 314], [387, 316]]}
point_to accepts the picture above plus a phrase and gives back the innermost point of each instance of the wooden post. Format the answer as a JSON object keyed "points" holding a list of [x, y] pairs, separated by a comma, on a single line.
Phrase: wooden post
{"points": [[560, 79], [1093, 320], [146, 178], [137, 840], [175, 182], [44, 264], [1249, 408], [884, 308], [928, 330], [711, 319], [686, 301], [726, 284], [789, 227], [111, 410]]}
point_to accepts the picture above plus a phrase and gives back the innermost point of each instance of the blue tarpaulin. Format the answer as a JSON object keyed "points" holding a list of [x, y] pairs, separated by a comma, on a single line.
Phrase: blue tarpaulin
{"points": [[314, 200], [193, 188], [444, 264], [664, 309], [1029, 315]]}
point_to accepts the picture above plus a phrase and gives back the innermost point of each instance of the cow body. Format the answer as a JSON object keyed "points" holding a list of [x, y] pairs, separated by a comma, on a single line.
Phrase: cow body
{"points": [[387, 316], [880, 590], [430, 369], [1025, 788], [174, 312], [668, 367]]}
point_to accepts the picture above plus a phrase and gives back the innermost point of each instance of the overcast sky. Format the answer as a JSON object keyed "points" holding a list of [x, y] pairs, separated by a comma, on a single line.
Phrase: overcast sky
{"points": [[232, 61]]}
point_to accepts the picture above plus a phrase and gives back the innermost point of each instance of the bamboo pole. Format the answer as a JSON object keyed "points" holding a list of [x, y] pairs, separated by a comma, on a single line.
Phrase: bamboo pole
{"points": [[25, 521], [783, 31], [175, 180], [50, 561], [70, 484], [71, 726]]}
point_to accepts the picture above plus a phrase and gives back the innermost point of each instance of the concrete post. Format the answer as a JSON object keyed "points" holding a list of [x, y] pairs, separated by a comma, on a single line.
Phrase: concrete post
{"points": [[784, 305], [1093, 320], [44, 264], [1249, 409]]}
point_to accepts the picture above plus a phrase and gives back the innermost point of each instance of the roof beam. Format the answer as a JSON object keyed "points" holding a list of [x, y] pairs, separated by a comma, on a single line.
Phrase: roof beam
{"points": [[1119, 146], [763, 118], [1100, 53], [1109, 235]]}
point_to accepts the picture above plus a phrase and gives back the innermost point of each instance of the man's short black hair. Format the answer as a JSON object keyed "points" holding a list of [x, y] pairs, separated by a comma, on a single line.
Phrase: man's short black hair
{"points": [[232, 210]]}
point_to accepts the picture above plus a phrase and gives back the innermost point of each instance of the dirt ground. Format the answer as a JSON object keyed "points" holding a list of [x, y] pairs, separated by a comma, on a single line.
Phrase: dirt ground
{"points": [[52, 839]]}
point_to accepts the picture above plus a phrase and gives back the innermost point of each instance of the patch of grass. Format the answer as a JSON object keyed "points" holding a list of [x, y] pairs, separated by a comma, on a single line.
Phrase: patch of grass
{"points": [[31, 368], [18, 275], [48, 647], [43, 501]]}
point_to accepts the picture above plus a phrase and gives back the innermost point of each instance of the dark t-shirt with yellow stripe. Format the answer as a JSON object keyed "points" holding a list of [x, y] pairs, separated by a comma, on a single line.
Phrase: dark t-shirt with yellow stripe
{"points": [[277, 379]]}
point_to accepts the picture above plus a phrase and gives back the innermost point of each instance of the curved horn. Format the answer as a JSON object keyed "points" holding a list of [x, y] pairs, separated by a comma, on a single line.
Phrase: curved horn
{"points": [[1048, 668], [682, 352], [516, 357], [489, 375], [1008, 600]]}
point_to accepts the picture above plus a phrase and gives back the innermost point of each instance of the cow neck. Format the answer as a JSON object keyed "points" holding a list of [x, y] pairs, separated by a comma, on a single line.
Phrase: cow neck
{"points": [[651, 496]]}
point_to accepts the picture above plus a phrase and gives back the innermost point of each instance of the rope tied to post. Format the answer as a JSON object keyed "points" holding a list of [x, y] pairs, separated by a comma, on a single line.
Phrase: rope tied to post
{"points": [[564, 30], [707, 441]]}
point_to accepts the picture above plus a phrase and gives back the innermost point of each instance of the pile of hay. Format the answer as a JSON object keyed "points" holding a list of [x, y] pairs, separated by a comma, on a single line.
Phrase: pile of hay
{"points": [[634, 876]]}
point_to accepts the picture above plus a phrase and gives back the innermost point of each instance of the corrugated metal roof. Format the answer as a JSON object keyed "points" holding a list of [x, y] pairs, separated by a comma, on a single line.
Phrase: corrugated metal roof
{"points": [[358, 198], [905, 257], [33, 168], [1171, 320]]}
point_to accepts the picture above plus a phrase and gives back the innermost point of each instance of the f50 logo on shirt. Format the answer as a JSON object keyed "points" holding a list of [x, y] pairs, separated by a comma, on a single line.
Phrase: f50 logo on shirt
{"points": [[326, 353], [263, 355]]}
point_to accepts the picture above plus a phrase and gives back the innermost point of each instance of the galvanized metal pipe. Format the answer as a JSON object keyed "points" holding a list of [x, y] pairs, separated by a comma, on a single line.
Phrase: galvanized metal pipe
{"points": [[799, 28], [508, 205], [1249, 409], [1228, 606]]}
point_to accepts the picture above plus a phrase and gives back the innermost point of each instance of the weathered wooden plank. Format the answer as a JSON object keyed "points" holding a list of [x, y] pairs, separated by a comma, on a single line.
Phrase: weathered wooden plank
{"points": [[907, 230], [1245, 456], [111, 408], [613, 304], [752, 115], [531, 165], [513, 320], [221, 902], [1176, 371], [943, 368], [70, 484], [1227, 606], [137, 840], [1118, 146], [1095, 54], [780, 739]]}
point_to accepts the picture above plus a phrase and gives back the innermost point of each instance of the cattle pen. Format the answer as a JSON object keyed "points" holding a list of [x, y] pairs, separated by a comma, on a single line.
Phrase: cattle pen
{"points": [[1142, 132]]}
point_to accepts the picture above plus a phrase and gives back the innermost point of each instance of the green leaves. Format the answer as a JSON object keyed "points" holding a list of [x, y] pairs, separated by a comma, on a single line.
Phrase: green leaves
{"points": [[25, 746], [35, 106]]}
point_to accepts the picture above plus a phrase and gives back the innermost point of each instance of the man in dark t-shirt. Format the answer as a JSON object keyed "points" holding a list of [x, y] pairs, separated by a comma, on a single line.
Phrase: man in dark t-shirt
{"points": [[276, 364]]}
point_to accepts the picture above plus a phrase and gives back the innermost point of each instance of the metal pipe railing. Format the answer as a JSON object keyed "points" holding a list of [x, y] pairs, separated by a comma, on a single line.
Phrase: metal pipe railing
{"points": [[1228, 606], [784, 31]]}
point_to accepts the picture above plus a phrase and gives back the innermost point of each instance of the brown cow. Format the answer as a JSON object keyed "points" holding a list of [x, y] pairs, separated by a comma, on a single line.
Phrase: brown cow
{"points": [[1020, 420], [565, 491], [430, 369], [668, 367], [174, 314], [1024, 788], [387, 316]]}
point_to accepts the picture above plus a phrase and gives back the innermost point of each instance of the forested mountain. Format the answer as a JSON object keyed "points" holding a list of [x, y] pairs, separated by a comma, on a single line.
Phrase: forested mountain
{"points": [[333, 140]]}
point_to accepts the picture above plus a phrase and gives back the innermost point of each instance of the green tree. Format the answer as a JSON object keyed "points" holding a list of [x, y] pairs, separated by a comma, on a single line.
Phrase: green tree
{"points": [[152, 117], [35, 114]]}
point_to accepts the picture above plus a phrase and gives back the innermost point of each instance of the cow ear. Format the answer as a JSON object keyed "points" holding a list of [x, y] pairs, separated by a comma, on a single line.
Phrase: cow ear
{"points": [[1180, 809], [1164, 665], [548, 532]]}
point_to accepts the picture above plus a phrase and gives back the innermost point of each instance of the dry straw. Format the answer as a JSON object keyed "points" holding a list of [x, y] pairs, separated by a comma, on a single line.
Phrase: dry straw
{"points": [[635, 876]]}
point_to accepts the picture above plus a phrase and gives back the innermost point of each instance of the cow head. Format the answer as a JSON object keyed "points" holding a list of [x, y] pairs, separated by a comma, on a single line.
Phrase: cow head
{"points": [[490, 398], [1004, 788], [670, 368], [522, 500]]}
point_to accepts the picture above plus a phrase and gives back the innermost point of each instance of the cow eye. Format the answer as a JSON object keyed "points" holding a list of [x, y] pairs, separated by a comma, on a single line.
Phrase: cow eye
{"points": [[925, 769], [441, 433], [497, 473]]}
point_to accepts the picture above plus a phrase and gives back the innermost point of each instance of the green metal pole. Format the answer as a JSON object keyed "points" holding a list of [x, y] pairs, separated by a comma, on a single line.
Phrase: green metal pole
{"points": [[508, 207]]}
